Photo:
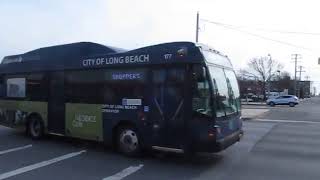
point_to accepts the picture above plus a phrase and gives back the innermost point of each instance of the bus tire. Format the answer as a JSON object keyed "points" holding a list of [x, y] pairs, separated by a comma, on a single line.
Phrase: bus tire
{"points": [[35, 127], [128, 141]]}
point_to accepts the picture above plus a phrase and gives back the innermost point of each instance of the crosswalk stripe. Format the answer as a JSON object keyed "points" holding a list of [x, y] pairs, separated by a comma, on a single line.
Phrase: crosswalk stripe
{"points": [[15, 149], [124, 173], [286, 121], [39, 165]]}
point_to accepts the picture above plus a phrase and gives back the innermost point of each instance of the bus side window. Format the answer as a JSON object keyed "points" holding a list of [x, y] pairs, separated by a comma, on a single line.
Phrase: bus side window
{"points": [[84, 86], [2, 87], [125, 84], [37, 87], [16, 87]]}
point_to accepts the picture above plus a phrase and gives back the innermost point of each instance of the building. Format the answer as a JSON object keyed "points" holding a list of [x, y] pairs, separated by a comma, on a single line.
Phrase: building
{"points": [[281, 86]]}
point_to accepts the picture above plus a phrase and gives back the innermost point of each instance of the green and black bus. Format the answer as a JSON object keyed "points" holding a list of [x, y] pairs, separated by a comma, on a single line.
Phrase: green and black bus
{"points": [[178, 96]]}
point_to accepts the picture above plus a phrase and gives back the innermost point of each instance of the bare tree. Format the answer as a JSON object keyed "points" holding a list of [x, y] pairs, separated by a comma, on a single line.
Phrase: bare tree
{"points": [[262, 69], [283, 81]]}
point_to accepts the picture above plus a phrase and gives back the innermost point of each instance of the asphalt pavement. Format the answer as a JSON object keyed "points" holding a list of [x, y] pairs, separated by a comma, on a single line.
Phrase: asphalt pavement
{"points": [[283, 143]]}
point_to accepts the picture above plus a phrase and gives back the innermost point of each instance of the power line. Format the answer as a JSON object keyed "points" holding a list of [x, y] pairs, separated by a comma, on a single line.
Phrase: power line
{"points": [[269, 30], [288, 32], [256, 35]]}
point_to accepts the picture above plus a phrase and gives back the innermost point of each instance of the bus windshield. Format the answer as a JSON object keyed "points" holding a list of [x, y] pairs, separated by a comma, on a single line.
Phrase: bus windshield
{"points": [[216, 59], [226, 91]]}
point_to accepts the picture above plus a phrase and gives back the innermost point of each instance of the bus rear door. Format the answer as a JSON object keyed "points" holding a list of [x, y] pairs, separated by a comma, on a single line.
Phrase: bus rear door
{"points": [[56, 103]]}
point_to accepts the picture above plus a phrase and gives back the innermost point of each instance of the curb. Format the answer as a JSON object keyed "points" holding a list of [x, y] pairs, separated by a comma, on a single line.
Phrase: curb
{"points": [[255, 104], [246, 119]]}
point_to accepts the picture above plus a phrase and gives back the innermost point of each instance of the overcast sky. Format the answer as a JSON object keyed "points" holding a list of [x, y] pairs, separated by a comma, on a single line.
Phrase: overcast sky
{"points": [[26, 25]]}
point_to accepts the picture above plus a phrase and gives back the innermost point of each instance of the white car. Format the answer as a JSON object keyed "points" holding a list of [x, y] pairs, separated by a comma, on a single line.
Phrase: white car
{"points": [[283, 100]]}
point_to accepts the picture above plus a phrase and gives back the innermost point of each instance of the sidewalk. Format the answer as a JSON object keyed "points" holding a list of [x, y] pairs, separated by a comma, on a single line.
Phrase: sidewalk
{"points": [[254, 103], [253, 112]]}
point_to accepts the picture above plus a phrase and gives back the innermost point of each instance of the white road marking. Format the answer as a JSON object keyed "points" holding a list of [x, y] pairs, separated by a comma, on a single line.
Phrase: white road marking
{"points": [[38, 165], [15, 149], [286, 121], [124, 173]]}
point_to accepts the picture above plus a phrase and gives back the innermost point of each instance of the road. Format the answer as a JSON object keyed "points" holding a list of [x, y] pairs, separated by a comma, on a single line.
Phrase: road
{"points": [[285, 148]]}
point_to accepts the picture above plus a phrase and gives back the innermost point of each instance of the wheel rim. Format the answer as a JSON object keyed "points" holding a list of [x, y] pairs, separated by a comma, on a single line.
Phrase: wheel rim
{"points": [[35, 128], [128, 141]]}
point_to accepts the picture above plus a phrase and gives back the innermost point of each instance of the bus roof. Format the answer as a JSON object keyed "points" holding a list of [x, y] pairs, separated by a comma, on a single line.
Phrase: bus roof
{"points": [[86, 55], [65, 51]]}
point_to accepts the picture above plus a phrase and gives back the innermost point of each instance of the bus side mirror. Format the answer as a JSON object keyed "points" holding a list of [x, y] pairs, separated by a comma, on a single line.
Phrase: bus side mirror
{"points": [[222, 97]]}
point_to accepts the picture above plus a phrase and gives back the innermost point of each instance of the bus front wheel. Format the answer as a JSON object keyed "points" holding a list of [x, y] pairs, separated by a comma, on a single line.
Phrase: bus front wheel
{"points": [[35, 127], [128, 141]]}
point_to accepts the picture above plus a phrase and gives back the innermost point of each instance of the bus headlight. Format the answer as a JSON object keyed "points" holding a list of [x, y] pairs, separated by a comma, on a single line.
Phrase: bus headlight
{"points": [[218, 129]]}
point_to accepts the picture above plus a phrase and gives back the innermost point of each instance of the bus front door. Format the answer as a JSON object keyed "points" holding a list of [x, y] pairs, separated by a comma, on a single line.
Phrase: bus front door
{"points": [[168, 112], [56, 103]]}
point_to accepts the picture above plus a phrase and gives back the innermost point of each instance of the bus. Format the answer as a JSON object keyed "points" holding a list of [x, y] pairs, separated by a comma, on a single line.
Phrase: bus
{"points": [[178, 97]]}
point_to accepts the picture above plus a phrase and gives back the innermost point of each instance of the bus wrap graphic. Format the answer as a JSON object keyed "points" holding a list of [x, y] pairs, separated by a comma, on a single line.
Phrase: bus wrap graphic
{"points": [[144, 58], [84, 121], [126, 76]]}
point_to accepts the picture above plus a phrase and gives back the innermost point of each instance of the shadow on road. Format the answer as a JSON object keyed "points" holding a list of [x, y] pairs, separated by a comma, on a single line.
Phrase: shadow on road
{"points": [[202, 159]]}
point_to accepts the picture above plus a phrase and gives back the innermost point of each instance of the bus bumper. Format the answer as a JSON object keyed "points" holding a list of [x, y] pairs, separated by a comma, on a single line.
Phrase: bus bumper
{"points": [[212, 146], [228, 141]]}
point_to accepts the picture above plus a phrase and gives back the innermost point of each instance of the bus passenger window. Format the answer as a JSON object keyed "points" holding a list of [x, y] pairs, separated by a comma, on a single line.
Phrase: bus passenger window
{"points": [[16, 87], [37, 87], [2, 88]]}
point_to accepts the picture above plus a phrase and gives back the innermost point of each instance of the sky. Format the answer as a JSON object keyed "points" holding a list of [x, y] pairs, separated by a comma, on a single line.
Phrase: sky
{"points": [[129, 24]]}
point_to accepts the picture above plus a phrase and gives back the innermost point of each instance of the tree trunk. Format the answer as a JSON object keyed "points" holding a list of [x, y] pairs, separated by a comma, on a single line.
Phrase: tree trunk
{"points": [[264, 90]]}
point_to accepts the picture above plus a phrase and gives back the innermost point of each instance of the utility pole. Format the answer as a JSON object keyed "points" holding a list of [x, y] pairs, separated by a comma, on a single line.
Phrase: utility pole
{"points": [[300, 71], [299, 83], [307, 78], [295, 57], [269, 79], [197, 28]]}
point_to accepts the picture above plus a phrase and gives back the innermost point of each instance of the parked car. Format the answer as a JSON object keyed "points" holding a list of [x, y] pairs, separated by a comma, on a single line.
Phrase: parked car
{"points": [[283, 100], [246, 100]]}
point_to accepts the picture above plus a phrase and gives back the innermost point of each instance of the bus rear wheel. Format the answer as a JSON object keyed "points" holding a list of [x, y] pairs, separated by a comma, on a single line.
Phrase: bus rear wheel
{"points": [[128, 141], [35, 128]]}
